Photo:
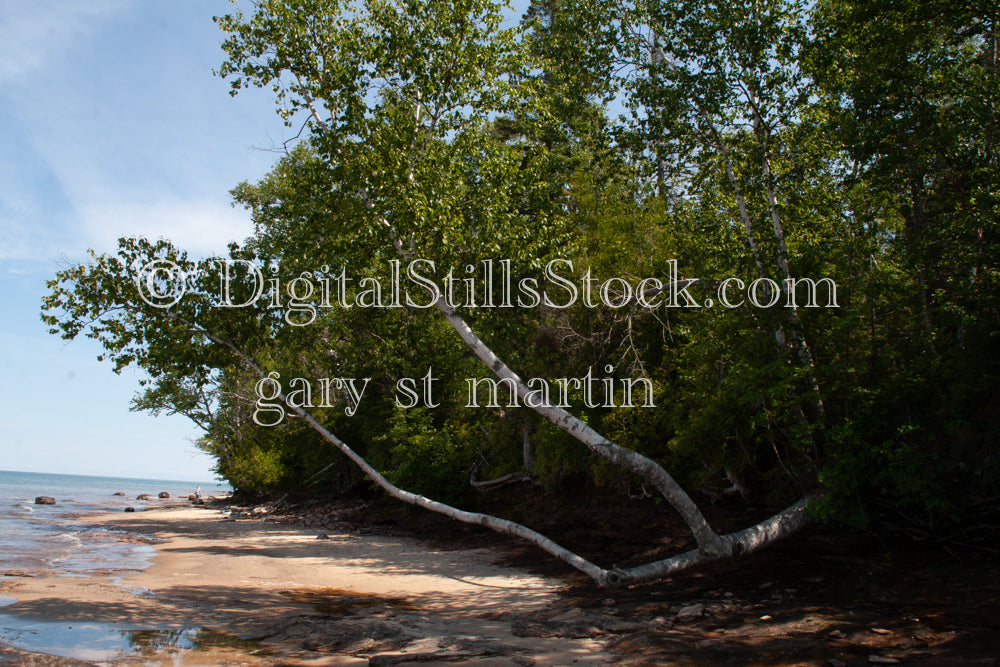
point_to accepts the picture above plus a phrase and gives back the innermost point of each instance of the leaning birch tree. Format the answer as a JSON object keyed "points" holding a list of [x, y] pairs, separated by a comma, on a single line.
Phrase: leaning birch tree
{"points": [[397, 100], [717, 96]]}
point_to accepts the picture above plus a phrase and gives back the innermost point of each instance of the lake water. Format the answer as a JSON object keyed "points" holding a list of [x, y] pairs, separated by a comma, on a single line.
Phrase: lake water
{"points": [[50, 538]]}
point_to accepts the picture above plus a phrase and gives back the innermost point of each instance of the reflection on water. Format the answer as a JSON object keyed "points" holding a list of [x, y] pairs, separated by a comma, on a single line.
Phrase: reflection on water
{"points": [[151, 642], [104, 642]]}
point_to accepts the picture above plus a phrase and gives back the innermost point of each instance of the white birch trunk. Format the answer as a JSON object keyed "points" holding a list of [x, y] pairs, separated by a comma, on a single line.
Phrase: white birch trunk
{"points": [[711, 546], [708, 540]]}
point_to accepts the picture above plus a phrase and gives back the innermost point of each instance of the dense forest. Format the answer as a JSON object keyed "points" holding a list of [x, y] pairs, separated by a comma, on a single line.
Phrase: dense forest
{"points": [[753, 243]]}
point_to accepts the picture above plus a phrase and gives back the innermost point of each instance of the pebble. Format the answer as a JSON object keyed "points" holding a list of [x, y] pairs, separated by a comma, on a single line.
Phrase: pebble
{"points": [[690, 612]]}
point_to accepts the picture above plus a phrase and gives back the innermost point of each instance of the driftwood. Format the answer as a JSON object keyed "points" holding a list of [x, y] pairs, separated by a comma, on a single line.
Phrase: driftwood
{"points": [[512, 478]]}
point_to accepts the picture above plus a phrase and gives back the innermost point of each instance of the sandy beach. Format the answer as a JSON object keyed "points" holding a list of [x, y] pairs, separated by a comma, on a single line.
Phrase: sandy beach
{"points": [[228, 586], [227, 591]]}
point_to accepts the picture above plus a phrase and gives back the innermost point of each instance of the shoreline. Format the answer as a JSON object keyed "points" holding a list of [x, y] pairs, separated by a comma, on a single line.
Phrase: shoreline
{"points": [[223, 591], [232, 585]]}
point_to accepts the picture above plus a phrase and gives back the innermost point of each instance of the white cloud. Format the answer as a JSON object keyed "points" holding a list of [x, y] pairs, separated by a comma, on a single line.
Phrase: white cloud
{"points": [[199, 226], [112, 131], [33, 33], [29, 229], [20, 244]]}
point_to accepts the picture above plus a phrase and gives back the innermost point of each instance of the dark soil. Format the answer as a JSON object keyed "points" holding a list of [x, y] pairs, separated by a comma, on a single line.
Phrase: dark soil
{"points": [[824, 597]]}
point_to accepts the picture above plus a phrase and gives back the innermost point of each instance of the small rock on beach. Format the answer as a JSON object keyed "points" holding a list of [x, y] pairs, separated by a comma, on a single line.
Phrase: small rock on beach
{"points": [[690, 613]]}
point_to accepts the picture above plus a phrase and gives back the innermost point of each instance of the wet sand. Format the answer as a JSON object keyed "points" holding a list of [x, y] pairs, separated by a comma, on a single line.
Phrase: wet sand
{"points": [[227, 591]]}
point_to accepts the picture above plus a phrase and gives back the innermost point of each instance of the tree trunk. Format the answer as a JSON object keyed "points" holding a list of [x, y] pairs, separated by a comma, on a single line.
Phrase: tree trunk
{"points": [[711, 546], [528, 449]]}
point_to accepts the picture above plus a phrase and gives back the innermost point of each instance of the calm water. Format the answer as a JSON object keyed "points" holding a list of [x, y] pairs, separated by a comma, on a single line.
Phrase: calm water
{"points": [[50, 538]]}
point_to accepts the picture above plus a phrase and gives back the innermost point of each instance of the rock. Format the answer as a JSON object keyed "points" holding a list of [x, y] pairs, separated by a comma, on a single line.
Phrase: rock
{"points": [[163, 495], [766, 617], [363, 636], [118, 493], [882, 660], [198, 501], [545, 629], [690, 612], [130, 509], [45, 500], [144, 496], [833, 662], [881, 631], [322, 536], [192, 497]]}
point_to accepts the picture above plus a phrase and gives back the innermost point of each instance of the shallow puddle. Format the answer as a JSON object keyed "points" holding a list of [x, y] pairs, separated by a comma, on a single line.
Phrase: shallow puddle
{"points": [[113, 643]]}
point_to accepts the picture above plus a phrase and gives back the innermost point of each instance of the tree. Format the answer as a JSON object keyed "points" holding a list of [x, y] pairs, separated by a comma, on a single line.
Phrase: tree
{"points": [[910, 90], [400, 104]]}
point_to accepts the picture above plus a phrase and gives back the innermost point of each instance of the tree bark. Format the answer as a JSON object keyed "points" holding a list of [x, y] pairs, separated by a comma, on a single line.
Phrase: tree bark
{"points": [[708, 540], [528, 449], [711, 546]]}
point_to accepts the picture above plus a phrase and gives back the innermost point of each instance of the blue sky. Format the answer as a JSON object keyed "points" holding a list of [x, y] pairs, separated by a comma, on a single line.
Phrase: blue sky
{"points": [[111, 124]]}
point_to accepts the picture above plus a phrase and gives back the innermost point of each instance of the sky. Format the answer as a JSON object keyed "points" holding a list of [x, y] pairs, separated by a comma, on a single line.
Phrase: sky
{"points": [[111, 124]]}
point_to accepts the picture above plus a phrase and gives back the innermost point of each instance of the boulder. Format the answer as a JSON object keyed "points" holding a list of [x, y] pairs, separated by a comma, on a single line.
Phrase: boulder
{"points": [[163, 495], [129, 509], [45, 500], [118, 493], [144, 496]]}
